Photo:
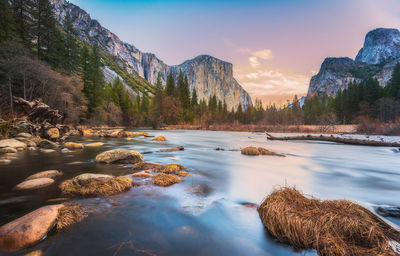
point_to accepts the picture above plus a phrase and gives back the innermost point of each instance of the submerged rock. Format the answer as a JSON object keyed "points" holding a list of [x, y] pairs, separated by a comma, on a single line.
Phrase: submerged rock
{"points": [[34, 184], [90, 184], [160, 138], [73, 145], [388, 211], [120, 156], [179, 148], [45, 174], [165, 180], [141, 175], [29, 229], [94, 145]]}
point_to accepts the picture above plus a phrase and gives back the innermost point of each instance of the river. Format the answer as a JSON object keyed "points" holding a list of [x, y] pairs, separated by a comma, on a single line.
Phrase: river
{"points": [[204, 214]]}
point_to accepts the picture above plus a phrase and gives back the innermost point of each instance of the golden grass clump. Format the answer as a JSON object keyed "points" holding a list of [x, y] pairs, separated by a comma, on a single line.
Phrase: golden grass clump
{"points": [[70, 214], [337, 227], [165, 180], [251, 151], [160, 138], [169, 168], [95, 187], [145, 166], [266, 152]]}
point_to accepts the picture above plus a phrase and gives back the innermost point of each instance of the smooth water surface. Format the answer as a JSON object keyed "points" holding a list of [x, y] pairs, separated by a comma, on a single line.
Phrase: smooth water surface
{"points": [[203, 215]]}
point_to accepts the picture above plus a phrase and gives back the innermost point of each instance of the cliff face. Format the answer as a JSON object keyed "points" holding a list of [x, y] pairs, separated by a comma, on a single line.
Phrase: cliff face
{"points": [[377, 58], [208, 75]]}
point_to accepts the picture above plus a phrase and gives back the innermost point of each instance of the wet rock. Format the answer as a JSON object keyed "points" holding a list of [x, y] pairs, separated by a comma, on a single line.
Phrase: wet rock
{"points": [[145, 134], [219, 149], [29, 229], [12, 143], [45, 174], [94, 145], [266, 152], [183, 173], [30, 143], [119, 156], [88, 132], [24, 135], [53, 133], [34, 184], [127, 134], [179, 148], [47, 150], [165, 180], [250, 151], [47, 144], [388, 211], [160, 138], [145, 166], [8, 150], [32, 148], [73, 145], [90, 184], [5, 161], [141, 175]]}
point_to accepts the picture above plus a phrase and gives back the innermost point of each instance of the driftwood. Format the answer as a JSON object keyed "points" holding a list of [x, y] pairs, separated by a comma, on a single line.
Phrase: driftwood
{"points": [[36, 111], [331, 138]]}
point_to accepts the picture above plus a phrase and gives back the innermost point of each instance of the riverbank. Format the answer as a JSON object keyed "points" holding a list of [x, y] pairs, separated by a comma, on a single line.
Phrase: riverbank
{"points": [[324, 129]]}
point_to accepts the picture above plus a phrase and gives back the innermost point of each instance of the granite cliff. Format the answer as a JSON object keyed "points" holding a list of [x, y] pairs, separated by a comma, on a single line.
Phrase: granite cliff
{"points": [[377, 58], [207, 74]]}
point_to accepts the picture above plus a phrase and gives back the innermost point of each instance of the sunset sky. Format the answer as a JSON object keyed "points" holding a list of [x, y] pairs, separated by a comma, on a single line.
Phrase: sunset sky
{"points": [[275, 46]]}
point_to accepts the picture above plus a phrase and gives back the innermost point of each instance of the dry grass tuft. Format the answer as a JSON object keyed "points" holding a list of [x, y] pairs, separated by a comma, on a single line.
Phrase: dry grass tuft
{"points": [[95, 187], [266, 152], [337, 227], [70, 214], [165, 180], [160, 138], [251, 151]]}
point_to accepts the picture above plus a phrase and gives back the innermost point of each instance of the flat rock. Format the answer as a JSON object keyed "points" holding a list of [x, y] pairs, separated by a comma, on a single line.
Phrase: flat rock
{"points": [[34, 184], [45, 174], [8, 150], [47, 150], [179, 148], [12, 143], [24, 135], [141, 175], [29, 229], [94, 145], [73, 145], [119, 156]]}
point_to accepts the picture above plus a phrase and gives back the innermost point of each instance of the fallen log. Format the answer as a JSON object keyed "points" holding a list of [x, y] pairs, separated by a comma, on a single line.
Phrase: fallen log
{"points": [[337, 139]]}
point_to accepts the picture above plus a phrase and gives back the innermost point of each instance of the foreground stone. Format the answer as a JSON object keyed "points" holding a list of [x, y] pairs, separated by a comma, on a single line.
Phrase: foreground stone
{"points": [[166, 168], [12, 143], [94, 145], [34, 184], [28, 229], [93, 185], [73, 145], [250, 151], [160, 138], [45, 174], [165, 180], [119, 156]]}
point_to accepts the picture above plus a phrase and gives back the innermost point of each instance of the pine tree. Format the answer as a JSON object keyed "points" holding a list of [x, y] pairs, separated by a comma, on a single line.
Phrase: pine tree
{"points": [[170, 87], [7, 22], [23, 10], [194, 101], [393, 87], [71, 45]]}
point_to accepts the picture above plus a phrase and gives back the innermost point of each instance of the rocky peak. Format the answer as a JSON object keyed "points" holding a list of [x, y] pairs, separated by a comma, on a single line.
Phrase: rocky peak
{"points": [[380, 45], [207, 74], [377, 58]]}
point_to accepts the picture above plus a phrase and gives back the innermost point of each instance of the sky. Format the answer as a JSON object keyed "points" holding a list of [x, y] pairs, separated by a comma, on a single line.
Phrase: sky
{"points": [[275, 46]]}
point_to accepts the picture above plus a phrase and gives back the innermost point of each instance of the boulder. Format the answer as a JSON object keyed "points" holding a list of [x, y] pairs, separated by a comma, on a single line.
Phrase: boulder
{"points": [[8, 150], [45, 174], [160, 138], [251, 151], [34, 184], [73, 145], [165, 180], [53, 133], [119, 156], [12, 143], [47, 144], [94, 145], [29, 229]]}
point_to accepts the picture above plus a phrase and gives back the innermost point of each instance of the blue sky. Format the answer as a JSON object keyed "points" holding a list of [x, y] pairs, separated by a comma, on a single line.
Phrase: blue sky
{"points": [[275, 46]]}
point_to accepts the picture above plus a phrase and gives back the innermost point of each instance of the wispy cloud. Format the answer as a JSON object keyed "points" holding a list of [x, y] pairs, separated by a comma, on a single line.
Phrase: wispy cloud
{"points": [[253, 61], [265, 54]]}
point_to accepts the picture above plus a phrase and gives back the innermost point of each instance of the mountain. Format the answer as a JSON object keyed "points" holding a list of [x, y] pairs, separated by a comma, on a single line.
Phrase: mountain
{"points": [[377, 58], [207, 74]]}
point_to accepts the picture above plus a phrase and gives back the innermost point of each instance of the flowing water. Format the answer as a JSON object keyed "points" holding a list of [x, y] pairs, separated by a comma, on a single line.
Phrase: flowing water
{"points": [[205, 214]]}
